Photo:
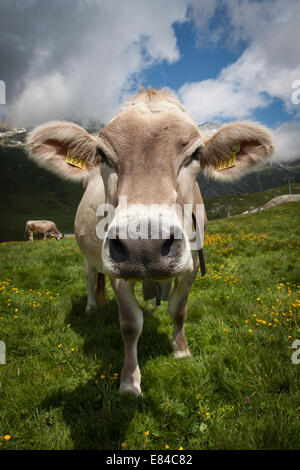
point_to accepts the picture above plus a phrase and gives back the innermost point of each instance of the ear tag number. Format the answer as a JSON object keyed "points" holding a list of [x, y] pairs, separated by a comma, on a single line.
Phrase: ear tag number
{"points": [[75, 161], [230, 161]]}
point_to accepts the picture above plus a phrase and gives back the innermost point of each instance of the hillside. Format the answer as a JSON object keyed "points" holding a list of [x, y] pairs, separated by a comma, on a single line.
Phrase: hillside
{"points": [[261, 179], [30, 192], [239, 390], [217, 207]]}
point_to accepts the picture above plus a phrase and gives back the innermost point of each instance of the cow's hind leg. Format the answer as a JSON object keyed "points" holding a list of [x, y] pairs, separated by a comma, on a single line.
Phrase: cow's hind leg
{"points": [[131, 320], [91, 279], [100, 290], [178, 312]]}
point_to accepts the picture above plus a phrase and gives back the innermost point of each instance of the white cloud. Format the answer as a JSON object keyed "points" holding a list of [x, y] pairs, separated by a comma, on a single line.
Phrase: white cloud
{"points": [[265, 70], [258, 71], [78, 59], [287, 142], [218, 99], [32, 106], [80, 66]]}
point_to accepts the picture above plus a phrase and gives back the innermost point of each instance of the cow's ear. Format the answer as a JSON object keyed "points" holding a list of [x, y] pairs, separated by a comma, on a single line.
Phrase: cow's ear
{"points": [[63, 148], [234, 149]]}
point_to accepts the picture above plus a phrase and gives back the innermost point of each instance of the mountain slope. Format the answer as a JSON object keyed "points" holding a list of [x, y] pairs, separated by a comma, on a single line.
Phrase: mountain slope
{"points": [[218, 207], [261, 179], [30, 192]]}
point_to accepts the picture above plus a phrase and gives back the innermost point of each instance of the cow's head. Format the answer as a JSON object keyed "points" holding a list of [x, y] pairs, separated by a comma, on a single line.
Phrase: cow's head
{"points": [[150, 154], [58, 236]]}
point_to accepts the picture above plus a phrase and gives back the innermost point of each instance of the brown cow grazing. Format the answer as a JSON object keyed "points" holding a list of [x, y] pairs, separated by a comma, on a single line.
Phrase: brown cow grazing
{"points": [[45, 227], [148, 157]]}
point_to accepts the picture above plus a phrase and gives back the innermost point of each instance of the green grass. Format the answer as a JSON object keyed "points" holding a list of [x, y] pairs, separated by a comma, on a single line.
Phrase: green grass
{"points": [[240, 390]]}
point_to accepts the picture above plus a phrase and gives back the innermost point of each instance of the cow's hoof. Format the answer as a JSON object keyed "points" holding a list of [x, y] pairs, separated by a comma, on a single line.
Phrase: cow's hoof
{"points": [[179, 354], [130, 389]]}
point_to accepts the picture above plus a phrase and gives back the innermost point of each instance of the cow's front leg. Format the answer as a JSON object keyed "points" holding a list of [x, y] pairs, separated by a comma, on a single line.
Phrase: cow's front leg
{"points": [[131, 321], [178, 312], [91, 279]]}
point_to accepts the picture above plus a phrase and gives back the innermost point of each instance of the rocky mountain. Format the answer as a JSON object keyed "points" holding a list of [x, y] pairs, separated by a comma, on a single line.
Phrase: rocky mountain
{"points": [[12, 137]]}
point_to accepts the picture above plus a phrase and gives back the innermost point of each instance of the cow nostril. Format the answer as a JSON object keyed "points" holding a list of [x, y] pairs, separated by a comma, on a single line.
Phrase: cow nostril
{"points": [[165, 250], [117, 250]]}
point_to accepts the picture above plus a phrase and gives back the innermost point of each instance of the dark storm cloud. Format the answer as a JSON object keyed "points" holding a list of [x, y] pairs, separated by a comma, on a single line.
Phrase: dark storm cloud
{"points": [[30, 26], [74, 59]]}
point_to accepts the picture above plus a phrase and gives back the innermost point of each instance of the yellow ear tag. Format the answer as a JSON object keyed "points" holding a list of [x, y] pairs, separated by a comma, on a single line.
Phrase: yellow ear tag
{"points": [[75, 161], [230, 161]]}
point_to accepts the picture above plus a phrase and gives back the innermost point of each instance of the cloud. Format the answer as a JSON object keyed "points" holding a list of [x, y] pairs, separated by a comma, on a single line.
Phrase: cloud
{"points": [[287, 142], [218, 99], [78, 59], [265, 70], [75, 59], [263, 74]]}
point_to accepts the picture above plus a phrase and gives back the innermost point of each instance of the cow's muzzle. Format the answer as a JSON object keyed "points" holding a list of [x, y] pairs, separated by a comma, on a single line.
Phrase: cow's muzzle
{"points": [[144, 256]]}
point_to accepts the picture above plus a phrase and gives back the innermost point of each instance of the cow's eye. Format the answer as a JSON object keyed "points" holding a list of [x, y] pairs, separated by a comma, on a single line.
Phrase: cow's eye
{"points": [[102, 157], [192, 158]]}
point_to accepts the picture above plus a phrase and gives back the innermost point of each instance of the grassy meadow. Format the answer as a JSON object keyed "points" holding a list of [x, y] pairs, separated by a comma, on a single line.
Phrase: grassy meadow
{"points": [[239, 390]]}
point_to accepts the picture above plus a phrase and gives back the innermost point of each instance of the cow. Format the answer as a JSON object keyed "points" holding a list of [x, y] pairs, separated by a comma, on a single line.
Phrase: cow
{"points": [[45, 227], [149, 155]]}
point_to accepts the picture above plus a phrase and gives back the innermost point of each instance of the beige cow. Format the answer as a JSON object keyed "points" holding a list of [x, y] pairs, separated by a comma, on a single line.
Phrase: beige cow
{"points": [[45, 227], [150, 154]]}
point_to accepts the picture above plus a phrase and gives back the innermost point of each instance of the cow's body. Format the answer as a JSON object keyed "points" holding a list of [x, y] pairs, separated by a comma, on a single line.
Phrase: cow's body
{"points": [[42, 227], [150, 154]]}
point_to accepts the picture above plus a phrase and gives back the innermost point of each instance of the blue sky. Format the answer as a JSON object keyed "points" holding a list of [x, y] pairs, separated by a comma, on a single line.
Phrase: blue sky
{"points": [[196, 62], [199, 62], [190, 68], [225, 60]]}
